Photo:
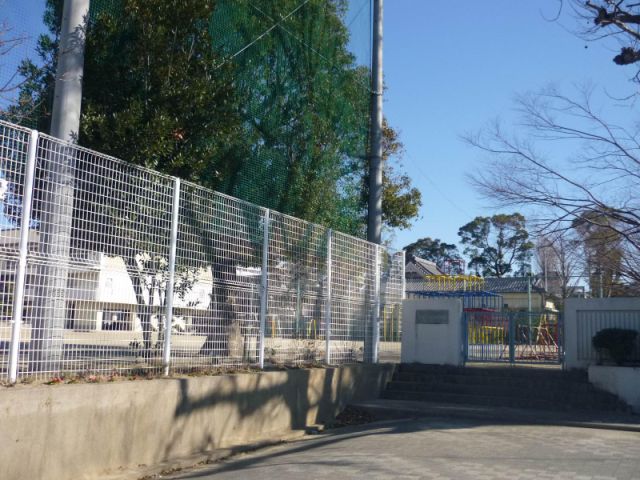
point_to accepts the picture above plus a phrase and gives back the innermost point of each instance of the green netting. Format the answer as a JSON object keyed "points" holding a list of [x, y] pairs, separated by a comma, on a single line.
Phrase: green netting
{"points": [[300, 78], [305, 102]]}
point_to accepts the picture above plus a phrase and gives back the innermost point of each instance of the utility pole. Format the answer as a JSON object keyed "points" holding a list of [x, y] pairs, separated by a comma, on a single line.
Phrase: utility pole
{"points": [[374, 214], [56, 218], [374, 227], [67, 98]]}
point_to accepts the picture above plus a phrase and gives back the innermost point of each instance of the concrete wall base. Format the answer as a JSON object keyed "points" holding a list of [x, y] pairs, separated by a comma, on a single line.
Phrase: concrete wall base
{"points": [[621, 381], [88, 431]]}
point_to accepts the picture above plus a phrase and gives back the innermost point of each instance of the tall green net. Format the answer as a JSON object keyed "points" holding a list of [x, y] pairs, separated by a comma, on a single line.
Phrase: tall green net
{"points": [[305, 101], [275, 111]]}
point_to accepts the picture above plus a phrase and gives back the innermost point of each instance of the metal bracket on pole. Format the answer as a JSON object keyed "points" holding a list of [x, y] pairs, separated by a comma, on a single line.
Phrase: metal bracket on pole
{"points": [[376, 312], [21, 269], [175, 213], [264, 286], [327, 308]]}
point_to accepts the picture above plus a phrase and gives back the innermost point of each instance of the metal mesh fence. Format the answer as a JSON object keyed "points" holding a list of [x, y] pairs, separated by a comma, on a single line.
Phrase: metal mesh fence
{"points": [[110, 268]]}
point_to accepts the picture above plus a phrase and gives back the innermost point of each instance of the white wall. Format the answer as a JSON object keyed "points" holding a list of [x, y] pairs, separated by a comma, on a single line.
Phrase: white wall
{"points": [[621, 381], [439, 344], [577, 338]]}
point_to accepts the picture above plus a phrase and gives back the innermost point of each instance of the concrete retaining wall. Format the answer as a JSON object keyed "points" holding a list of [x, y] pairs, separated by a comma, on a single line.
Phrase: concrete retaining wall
{"points": [[621, 381], [85, 431]]}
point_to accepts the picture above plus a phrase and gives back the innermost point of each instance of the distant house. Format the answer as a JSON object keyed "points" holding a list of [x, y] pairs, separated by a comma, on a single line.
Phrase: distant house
{"points": [[417, 268], [514, 291]]}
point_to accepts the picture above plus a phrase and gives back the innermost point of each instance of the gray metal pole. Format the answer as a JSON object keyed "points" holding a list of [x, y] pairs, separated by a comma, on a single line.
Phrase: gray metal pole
{"points": [[21, 270], [47, 339], [327, 308], [175, 212], [374, 228], [264, 286], [530, 334], [375, 324], [601, 285], [67, 99]]}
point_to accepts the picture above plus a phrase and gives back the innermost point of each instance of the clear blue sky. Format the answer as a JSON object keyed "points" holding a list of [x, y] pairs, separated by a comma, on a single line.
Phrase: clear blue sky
{"points": [[450, 67]]}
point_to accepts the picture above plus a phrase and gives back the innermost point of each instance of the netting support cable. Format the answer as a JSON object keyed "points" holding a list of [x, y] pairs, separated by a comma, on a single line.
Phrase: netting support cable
{"points": [[175, 212], [327, 311], [264, 285], [21, 268], [265, 33]]}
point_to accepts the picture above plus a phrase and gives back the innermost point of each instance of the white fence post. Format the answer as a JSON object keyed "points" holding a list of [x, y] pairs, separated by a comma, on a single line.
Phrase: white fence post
{"points": [[376, 312], [21, 269], [168, 315], [327, 308], [264, 286]]}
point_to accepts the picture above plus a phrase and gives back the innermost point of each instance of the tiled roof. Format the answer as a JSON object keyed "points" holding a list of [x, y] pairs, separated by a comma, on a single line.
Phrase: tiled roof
{"points": [[421, 266], [512, 284]]}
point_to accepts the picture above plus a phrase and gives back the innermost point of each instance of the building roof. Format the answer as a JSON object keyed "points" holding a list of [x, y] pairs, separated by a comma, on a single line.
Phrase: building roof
{"points": [[421, 266], [512, 285]]}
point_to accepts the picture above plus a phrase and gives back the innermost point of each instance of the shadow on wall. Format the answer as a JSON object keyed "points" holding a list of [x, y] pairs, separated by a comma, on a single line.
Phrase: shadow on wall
{"points": [[248, 408]]}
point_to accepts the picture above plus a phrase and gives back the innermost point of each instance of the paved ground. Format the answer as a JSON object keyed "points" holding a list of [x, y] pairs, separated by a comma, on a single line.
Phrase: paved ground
{"points": [[442, 449]]}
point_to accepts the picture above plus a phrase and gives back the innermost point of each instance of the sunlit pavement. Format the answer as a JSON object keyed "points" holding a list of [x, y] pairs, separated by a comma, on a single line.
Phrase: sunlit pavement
{"points": [[451, 449]]}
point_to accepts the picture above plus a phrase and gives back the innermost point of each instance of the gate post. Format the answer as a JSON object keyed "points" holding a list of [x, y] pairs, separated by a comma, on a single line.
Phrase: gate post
{"points": [[512, 338], [465, 338]]}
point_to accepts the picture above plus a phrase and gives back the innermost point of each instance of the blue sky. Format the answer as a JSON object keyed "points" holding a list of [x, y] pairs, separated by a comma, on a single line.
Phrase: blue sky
{"points": [[450, 67]]}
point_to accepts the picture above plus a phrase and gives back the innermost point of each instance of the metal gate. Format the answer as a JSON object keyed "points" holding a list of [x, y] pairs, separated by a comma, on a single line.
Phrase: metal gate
{"points": [[513, 337]]}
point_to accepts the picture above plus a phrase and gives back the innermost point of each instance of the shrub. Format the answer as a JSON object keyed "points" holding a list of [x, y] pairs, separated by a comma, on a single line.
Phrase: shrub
{"points": [[617, 342]]}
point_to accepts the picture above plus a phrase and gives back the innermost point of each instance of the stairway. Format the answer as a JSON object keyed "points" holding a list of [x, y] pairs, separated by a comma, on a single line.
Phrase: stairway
{"points": [[502, 386]]}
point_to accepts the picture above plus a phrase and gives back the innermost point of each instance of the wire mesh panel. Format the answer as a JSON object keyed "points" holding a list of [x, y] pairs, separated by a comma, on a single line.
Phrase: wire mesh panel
{"points": [[353, 299], [98, 249], [97, 269], [218, 271], [391, 295], [14, 145], [294, 330]]}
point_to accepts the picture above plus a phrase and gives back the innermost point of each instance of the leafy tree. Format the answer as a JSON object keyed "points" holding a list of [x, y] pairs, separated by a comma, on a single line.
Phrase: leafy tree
{"points": [[444, 255], [496, 245], [401, 201], [166, 85]]}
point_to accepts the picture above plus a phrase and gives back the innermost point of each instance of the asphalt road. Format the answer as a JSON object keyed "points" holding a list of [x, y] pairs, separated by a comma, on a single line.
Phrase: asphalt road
{"points": [[442, 449]]}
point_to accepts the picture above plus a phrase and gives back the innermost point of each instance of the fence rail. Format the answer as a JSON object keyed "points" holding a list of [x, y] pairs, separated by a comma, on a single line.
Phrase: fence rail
{"points": [[110, 267]]}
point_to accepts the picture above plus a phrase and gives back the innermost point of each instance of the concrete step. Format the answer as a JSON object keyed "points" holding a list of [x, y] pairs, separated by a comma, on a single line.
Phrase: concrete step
{"points": [[522, 381], [547, 372], [502, 401], [586, 394], [396, 409]]}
